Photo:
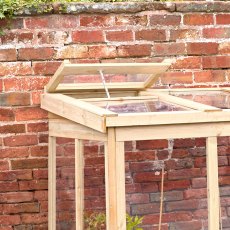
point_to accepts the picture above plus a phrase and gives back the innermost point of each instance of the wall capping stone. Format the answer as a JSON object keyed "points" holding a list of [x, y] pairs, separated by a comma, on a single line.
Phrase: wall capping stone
{"points": [[129, 7]]}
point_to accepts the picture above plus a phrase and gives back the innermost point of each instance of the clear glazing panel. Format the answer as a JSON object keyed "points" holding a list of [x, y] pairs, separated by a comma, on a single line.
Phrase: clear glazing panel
{"points": [[216, 98]]}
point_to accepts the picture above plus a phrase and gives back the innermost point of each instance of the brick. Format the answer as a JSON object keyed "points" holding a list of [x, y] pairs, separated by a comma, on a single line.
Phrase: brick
{"points": [[225, 170], [43, 138], [216, 32], [175, 185], [152, 144], [33, 185], [53, 37], [140, 155], [45, 68], [182, 205], [162, 49], [16, 128], [223, 19], [127, 20], [36, 97], [15, 68], [180, 153], [179, 163], [124, 35], [20, 208], [162, 154], [16, 197], [138, 198], [184, 34], [198, 19], [14, 98], [40, 174], [41, 53], [168, 196], [29, 163], [188, 225], [216, 62], [224, 48], [72, 51], [224, 180], [145, 166], [102, 51], [96, 20], [177, 78], [37, 127], [30, 113], [201, 161], [167, 217], [202, 48], [209, 76], [88, 171], [14, 152], [134, 50], [141, 177], [8, 186], [34, 218], [151, 35], [86, 36], [165, 20], [22, 140], [184, 174], [52, 21], [39, 151], [16, 23], [4, 165], [199, 183], [10, 219], [41, 195], [23, 227], [16, 174], [8, 55], [195, 193], [25, 84], [143, 209], [187, 63], [6, 114]]}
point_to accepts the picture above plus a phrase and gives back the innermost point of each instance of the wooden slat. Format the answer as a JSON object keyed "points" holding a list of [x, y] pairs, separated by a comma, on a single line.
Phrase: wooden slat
{"points": [[75, 110], [161, 118], [69, 129], [79, 184], [212, 183], [52, 183], [56, 79], [172, 131]]}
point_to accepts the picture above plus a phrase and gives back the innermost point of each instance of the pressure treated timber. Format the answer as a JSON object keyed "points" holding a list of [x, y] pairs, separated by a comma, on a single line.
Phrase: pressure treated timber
{"points": [[79, 184], [115, 183], [172, 131], [52, 183], [69, 129], [163, 118], [212, 183]]}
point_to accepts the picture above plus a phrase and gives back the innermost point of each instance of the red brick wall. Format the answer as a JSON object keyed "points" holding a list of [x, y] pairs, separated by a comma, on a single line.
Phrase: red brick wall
{"points": [[197, 35]]}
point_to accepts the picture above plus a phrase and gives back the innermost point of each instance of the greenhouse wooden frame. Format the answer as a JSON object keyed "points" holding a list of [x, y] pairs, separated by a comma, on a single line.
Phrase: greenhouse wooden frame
{"points": [[74, 113]]}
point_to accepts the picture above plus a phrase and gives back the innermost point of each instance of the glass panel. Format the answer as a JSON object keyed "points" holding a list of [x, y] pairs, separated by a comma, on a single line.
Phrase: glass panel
{"points": [[217, 99], [139, 106]]}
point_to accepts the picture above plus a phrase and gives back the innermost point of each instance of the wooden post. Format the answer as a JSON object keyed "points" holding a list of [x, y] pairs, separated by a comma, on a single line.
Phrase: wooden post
{"points": [[52, 183], [79, 184], [115, 183], [213, 185]]}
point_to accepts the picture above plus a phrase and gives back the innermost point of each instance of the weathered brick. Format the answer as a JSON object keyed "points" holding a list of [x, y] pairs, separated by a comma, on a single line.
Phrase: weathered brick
{"points": [[152, 144], [73, 51], [199, 183], [224, 180], [29, 163], [42, 53], [198, 19], [162, 154], [22, 140], [6, 114], [85, 36], [209, 76], [10, 219], [45, 68], [53, 37], [188, 225], [124, 35], [4, 165], [216, 32], [184, 34], [14, 98], [202, 48], [16, 197], [96, 20], [8, 186], [177, 78], [138, 198], [40, 174], [20, 208], [151, 35], [162, 49], [15, 68], [224, 48], [14, 152], [16, 128], [180, 153], [134, 50], [143, 209], [147, 177], [41, 195], [179, 164], [102, 51], [33, 185], [195, 193], [216, 62], [184, 174], [223, 19], [187, 63], [165, 19], [30, 113], [8, 55], [177, 184], [168, 196], [124, 20], [140, 155], [52, 21], [16, 23], [36, 97], [37, 127], [16, 174], [39, 151], [182, 205], [34, 218]]}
